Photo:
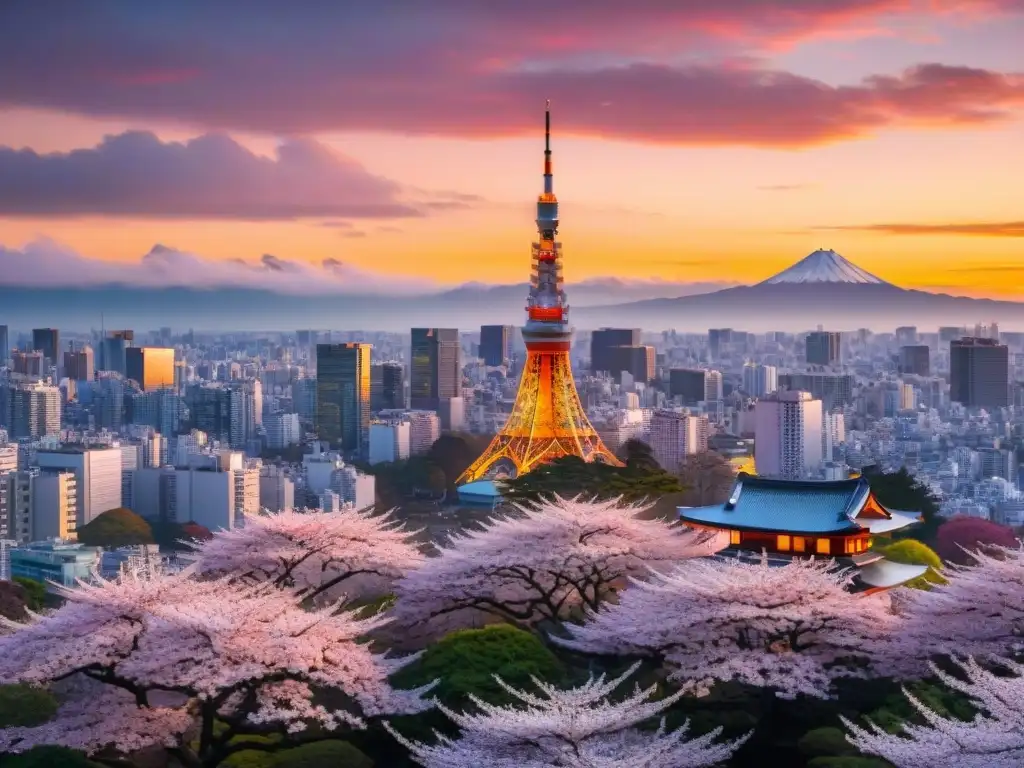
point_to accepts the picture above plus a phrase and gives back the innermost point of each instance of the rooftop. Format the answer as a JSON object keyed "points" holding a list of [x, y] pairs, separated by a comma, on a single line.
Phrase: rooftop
{"points": [[800, 506]]}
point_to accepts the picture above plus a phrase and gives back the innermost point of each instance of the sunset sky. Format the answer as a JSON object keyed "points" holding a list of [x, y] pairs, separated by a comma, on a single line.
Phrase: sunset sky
{"points": [[694, 140]]}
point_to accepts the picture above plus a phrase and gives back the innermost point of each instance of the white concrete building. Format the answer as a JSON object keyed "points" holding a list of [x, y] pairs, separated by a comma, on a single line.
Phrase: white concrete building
{"points": [[54, 505], [676, 434], [788, 435], [97, 475], [354, 487], [424, 429], [760, 380], [389, 441], [283, 429], [277, 490]]}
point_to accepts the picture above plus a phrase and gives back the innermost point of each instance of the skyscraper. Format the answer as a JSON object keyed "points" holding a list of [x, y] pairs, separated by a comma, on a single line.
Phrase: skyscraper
{"points": [[604, 341], [496, 344], [695, 386], [914, 358], [676, 435], [113, 351], [33, 410], [979, 373], [436, 373], [78, 364], [788, 439], [151, 367], [760, 380], [638, 361], [343, 395], [387, 386], [47, 341], [824, 348], [5, 349]]}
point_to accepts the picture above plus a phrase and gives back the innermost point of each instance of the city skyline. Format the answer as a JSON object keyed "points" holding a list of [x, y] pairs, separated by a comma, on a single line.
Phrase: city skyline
{"points": [[694, 145]]}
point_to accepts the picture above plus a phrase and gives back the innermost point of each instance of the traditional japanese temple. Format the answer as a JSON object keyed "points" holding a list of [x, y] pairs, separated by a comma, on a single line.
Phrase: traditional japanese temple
{"points": [[801, 518]]}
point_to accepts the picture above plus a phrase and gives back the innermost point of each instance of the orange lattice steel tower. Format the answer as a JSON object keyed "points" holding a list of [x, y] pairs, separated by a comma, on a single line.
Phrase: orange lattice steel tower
{"points": [[548, 420]]}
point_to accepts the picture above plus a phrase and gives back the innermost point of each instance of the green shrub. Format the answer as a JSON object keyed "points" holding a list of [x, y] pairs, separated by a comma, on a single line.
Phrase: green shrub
{"points": [[912, 552], [466, 662], [322, 754], [116, 528], [35, 592], [825, 742], [23, 705]]}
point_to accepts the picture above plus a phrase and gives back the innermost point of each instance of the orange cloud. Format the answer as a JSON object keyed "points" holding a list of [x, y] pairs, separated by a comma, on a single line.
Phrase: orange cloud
{"points": [[977, 229]]}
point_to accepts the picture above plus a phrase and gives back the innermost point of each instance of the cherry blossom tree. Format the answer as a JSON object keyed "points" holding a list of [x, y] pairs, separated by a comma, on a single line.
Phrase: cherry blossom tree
{"points": [[979, 611], [545, 562], [314, 551], [149, 656], [993, 739], [793, 628], [578, 728]]}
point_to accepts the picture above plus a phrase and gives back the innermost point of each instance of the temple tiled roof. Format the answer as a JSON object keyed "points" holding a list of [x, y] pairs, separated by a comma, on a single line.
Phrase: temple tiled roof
{"points": [[797, 506]]}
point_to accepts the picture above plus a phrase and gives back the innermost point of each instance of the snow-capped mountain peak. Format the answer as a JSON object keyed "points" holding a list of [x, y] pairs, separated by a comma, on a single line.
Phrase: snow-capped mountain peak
{"points": [[824, 266]]}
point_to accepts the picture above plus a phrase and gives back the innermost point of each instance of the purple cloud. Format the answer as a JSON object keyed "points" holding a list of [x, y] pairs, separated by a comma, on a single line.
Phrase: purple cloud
{"points": [[135, 174], [468, 68]]}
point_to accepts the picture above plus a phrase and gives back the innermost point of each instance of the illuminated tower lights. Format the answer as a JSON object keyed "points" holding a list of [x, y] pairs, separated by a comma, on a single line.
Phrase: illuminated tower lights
{"points": [[548, 420]]}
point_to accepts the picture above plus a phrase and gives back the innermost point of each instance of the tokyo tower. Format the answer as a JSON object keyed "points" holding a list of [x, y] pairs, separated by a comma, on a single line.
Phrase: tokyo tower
{"points": [[547, 420]]}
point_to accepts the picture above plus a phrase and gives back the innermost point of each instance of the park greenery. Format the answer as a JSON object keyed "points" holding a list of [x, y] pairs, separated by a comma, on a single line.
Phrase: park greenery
{"points": [[540, 597]]}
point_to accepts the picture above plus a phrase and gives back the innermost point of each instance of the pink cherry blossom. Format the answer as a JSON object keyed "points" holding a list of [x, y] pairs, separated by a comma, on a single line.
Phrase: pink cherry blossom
{"points": [[314, 551], [993, 739], [978, 612], [246, 655], [546, 562], [577, 728], [793, 628]]}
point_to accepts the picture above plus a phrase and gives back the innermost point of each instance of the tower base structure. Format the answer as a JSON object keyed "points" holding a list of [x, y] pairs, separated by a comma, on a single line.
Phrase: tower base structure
{"points": [[547, 421]]}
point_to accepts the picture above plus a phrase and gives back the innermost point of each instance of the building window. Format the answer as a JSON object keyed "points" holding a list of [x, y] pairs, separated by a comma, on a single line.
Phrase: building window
{"points": [[782, 543], [824, 547], [849, 546], [734, 537], [799, 544]]}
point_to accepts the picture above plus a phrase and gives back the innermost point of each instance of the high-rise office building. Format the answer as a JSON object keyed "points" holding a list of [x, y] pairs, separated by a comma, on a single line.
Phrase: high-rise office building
{"points": [[788, 435], [835, 390], [113, 351], [638, 361], [979, 373], [436, 373], [32, 410], [47, 341], [387, 386], [695, 386], [496, 344], [915, 359], [604, 341], [824, 348], [78, 364], [760, 380], [151, 367], [717, 338], [5, 349], [28, 363], [343, 395]]}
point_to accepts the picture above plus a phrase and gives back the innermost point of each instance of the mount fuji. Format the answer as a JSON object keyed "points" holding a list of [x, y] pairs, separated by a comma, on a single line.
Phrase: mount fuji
{"points": [[823, 288]]}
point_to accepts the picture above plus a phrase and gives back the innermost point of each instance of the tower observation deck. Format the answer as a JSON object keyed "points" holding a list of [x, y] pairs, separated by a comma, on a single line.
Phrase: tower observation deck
{"points": [[548, 420]]}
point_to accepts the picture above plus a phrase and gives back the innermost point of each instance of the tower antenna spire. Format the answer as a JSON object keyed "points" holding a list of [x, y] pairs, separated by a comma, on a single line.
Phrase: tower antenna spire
{"points": [[548, 181]]}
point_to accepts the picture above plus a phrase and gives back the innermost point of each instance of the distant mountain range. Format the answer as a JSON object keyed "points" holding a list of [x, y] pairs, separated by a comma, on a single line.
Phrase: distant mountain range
{"points": [[225, 309], [822, 289]]}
